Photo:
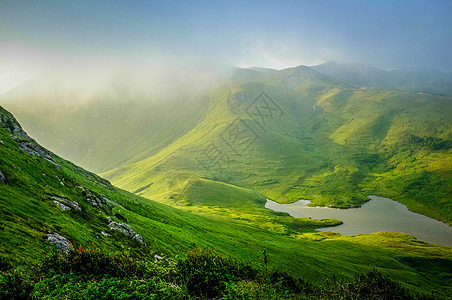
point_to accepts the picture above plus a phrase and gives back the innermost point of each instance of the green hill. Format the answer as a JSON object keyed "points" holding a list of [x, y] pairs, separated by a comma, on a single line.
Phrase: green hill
{"points": [[304, 135], [286, 135], [44, 197]]}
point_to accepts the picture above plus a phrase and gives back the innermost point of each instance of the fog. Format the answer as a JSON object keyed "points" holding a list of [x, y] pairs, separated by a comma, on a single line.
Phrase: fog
{"points": [[159, 78]]}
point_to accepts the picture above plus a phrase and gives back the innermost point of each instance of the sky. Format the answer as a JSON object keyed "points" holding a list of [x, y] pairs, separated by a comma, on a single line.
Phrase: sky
{"points": [[38, 35]]}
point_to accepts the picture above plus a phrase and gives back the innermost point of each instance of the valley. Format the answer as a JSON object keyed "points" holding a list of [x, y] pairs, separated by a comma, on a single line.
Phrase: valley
{"points": [[197, 173]]}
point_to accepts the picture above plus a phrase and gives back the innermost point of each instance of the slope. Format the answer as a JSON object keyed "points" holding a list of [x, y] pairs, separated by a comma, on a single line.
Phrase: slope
{"points": [[42, 193], [295, 134], [86, 124]]}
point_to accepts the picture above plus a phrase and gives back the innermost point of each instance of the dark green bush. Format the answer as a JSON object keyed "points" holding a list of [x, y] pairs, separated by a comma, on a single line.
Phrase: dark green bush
{"points": [[15, 285], [91, 274], [83, 261], [372, 285], [5, 264], [205, 273]]}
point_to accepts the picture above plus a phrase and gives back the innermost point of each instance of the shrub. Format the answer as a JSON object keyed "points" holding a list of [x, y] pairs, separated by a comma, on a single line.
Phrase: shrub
{"points": [[83, 261], [372, 285], [5, 264], [15, 285], [205, 273]]}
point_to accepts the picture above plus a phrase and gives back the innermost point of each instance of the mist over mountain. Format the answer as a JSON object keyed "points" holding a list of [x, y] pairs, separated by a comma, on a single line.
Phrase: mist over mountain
{"points": [[278, 150], [410, 79], [332, 133]]}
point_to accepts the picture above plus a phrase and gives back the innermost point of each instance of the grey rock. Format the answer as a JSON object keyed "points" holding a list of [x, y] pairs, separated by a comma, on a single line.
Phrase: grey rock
{"points": [[3, 178], [61, 205], [138, 238], [126, 230], [34, 149], [59, 241], [94, 199], [26, 143], [105, 234], [64, 202], [157, 258], [9, 122], [1, 143]]}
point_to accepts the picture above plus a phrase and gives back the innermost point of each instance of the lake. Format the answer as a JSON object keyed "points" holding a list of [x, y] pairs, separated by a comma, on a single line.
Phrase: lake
{"points": [[378, 214]]}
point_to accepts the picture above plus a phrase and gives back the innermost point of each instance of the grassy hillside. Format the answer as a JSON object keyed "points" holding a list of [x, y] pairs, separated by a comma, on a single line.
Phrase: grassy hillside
{"points": [[286, 135], [33, 183], [316, 139]]}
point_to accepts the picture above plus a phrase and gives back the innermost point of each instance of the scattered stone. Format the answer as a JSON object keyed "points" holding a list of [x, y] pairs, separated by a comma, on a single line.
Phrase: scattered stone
{"points": [[157, 258], [105, 234], [59, 241], [127, 231], [65, 203], [94, 199], [1, 143], [3, 178]]}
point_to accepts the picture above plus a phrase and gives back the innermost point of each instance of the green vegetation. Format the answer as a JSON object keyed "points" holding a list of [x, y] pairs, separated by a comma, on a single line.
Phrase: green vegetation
{"points": [[315, 138], [327, 142], [87, 274], [332, 144]]}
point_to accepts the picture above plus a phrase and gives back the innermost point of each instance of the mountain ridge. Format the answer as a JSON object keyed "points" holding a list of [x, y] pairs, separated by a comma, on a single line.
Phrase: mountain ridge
{"points": [[328, 141], [44, 202]]}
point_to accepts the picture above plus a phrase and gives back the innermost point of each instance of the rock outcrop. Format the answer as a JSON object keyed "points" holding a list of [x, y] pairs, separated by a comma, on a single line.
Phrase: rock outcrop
{"points": [[25, 142], [9, 122], [94, 199], [127, 230], [33, 148], [59, 241], [66, 204]]}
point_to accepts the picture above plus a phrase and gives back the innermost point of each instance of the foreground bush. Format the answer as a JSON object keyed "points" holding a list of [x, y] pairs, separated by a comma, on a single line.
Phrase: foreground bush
{"points": [[372, 285], [84, 261], [15, 285], [203, 274]]}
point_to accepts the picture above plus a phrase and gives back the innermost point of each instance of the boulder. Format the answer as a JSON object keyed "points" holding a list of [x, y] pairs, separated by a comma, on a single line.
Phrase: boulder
{"points": [[126, 230], [157, 258], [66, 204], [59, 241]]}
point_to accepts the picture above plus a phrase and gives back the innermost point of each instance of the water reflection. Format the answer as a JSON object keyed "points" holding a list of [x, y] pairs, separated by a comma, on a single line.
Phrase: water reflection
{"points": [[378, 214]]}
